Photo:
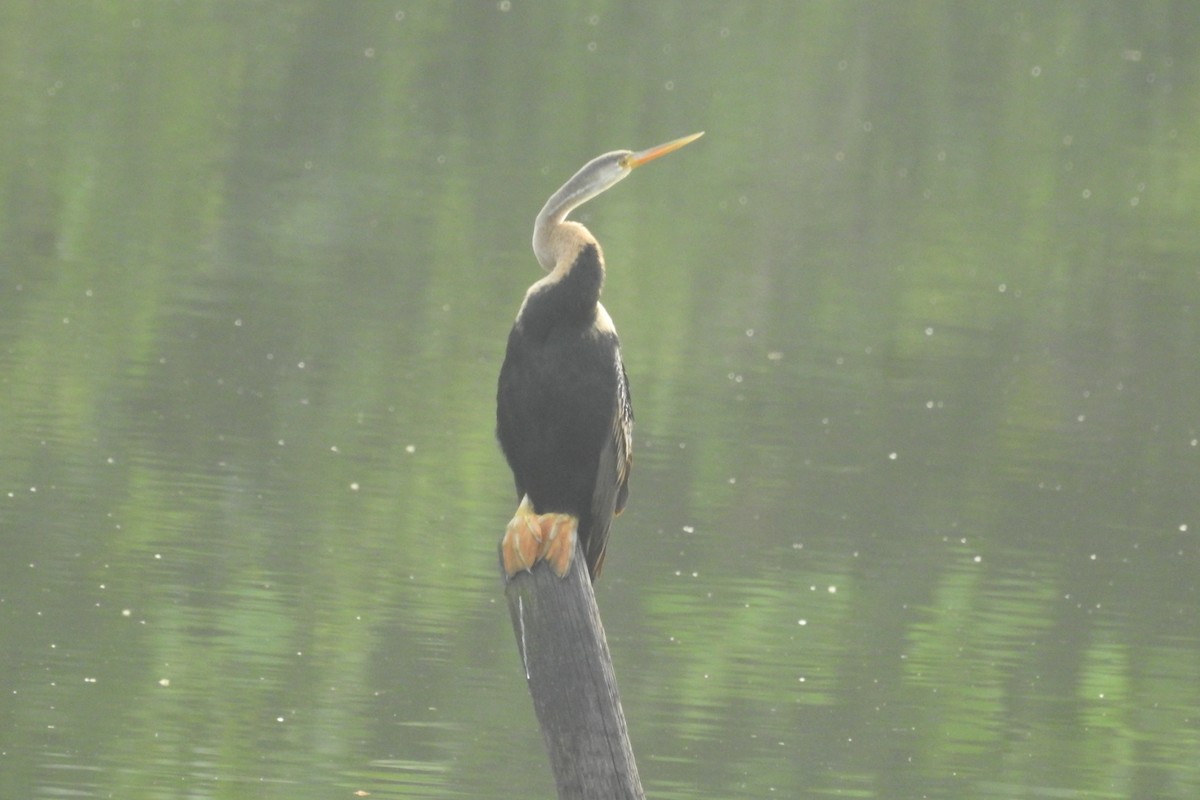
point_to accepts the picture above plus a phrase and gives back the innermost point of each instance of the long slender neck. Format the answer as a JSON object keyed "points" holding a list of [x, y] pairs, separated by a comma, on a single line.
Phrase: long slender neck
{"points": [[593, 178], [557, 246], [548, 229]]}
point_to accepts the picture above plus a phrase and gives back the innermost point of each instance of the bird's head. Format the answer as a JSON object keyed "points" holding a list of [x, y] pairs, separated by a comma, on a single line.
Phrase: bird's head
{"points": [[599, 174]]}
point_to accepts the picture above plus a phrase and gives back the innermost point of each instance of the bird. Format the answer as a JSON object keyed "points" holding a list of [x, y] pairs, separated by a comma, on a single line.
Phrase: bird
{"points": [[564, 418]]}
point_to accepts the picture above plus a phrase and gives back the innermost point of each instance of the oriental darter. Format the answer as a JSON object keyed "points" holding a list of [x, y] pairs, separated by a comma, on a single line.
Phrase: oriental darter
{"points": [[563, 415]]}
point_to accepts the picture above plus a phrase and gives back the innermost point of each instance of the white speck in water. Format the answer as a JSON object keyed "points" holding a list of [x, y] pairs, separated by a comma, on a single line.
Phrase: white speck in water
{"points": [[893, 456], [164, 681], [929, 331], [977, 559], [354, 486], [125, 612], [1183, 528], [801, 622], [831, 589], [412, 448], [688, 529]]}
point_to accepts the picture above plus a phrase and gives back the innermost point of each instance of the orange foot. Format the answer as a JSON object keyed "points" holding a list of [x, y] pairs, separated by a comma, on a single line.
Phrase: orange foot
{"points": [[531, 536]]}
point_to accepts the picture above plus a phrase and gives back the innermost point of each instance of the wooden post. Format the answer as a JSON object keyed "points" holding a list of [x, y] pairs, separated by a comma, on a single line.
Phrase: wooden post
{"points": [[570, 675]]}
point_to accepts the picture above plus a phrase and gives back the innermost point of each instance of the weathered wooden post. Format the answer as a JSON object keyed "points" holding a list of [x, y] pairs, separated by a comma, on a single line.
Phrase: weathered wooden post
{"points": [[570, 676]]}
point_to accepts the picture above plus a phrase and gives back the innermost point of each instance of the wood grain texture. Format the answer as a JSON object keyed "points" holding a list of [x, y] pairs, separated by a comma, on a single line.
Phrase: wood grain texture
{"points": [[570, 675]]}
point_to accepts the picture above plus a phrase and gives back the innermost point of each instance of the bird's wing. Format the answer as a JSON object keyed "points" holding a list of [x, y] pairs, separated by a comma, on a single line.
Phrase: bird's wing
{"points": [[612, 475], [622, 436]]}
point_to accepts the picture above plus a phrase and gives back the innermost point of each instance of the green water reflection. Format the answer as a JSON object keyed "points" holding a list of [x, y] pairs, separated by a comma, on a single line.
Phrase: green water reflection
{"points": [[912, 338]]}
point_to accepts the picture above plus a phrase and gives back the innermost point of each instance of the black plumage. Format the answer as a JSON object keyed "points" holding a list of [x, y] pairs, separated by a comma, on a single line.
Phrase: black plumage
{"points": [[563, 414]]}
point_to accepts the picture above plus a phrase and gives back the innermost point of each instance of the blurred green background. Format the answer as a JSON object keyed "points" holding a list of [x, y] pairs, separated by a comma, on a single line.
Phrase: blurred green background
{"points": [[913, 335]]}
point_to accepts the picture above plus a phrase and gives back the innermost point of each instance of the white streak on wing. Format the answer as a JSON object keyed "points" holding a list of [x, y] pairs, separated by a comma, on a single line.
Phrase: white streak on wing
{"points": [[622, 422], [604, 323], [521, 620]]}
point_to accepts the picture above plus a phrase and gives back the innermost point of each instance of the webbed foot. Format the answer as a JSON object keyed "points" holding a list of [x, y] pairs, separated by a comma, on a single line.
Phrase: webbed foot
{"points": [[531, 537]]}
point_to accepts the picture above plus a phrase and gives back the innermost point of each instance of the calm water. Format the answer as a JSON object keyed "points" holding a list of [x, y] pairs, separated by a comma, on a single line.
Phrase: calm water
{"points": [[912, 335]]}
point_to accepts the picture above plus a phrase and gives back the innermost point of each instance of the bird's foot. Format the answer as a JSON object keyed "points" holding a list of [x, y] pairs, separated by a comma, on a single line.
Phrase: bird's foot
{"points": [[531, 537]]}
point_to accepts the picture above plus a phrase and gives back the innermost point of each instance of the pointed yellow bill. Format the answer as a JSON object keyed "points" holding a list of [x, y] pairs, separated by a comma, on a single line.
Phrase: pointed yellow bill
{"points": [[643, 156]]}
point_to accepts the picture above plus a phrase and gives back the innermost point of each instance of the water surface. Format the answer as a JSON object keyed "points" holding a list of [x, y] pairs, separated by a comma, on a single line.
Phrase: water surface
{"points": [[912, 339]]}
